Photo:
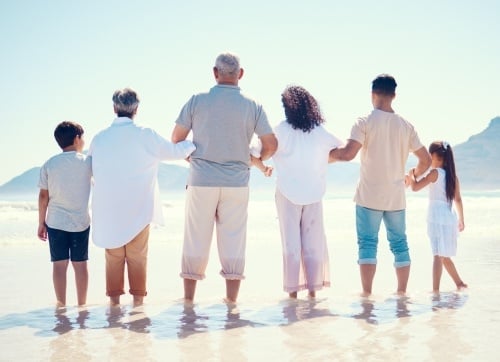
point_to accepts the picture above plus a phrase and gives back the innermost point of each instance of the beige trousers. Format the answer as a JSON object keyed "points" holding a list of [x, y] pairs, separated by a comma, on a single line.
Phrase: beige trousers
{"points": [[135, 255], [227, 209]]}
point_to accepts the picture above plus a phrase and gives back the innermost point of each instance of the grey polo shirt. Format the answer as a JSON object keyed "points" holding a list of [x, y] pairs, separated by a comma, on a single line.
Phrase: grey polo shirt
{"points": [[223, 122]]}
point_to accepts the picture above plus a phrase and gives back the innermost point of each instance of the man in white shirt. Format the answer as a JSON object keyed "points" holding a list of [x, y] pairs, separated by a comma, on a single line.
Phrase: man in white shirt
{"points": [[385, 140], [125, 198]]}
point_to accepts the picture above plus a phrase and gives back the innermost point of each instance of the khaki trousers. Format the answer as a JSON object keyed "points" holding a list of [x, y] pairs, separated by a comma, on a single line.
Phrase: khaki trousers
{"points": [[135, 255]]}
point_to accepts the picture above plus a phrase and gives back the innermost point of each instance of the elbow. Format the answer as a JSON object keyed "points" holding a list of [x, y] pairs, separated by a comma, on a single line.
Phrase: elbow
{"points": [[269, 149]]}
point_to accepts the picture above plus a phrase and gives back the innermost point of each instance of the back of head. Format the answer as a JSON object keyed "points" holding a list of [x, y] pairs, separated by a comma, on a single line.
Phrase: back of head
{"points": [[442, 150], [125, 102], [301, 109], [384, 84], [66, 132], [228, 64]]}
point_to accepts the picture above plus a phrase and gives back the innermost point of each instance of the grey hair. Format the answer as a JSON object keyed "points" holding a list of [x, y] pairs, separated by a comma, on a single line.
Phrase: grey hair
{"points": [[125, 101], [228, 64]]}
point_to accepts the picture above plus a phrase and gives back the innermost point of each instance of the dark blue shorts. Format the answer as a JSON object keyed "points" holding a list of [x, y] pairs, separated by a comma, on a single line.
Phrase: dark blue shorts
{"points": [[66, 245]]}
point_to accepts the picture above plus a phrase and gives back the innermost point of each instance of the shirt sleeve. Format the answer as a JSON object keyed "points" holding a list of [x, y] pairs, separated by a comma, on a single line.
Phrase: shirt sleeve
{"points": [[167, 150], [43, 182], [262, 127], [333, 141], [415, 143], [358, 131], [185, 118]]}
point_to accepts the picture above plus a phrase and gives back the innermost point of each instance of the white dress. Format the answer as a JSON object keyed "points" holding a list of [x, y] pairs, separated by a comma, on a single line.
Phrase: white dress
{"points": [[442, 222]]}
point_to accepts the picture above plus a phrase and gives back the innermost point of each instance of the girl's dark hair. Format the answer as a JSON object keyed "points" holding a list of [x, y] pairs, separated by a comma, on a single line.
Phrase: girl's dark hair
{"points": [[301, 109], [444, 151], [66, 132]]}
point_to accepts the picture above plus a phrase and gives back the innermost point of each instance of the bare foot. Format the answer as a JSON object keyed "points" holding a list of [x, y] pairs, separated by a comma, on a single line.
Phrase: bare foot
{"points": [[114, 301], [312, 294], [293, 295], [138, 300], [229, 302], [462, 285], [60, 305], [365, 294]]}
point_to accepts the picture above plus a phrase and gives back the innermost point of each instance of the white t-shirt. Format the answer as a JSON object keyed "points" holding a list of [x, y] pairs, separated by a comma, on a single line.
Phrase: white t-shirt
{"points": [[301, 162], [125, 196], [67, 177]]}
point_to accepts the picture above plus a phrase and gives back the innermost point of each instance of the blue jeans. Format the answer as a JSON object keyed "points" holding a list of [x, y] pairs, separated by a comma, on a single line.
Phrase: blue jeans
{"points": [[367, 227]]}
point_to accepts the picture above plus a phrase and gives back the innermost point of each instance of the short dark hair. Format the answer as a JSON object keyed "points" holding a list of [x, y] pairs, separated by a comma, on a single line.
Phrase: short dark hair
{"points": [[66, 132], [384, 84]]}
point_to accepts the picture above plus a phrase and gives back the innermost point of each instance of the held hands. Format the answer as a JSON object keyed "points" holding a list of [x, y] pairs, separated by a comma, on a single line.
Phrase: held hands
{"points": [[408, 178], [257, 162], [267, 171]]}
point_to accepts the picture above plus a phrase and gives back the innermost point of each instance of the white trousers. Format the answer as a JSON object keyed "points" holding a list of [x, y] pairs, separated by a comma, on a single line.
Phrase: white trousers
{"points": [[305, 252]]}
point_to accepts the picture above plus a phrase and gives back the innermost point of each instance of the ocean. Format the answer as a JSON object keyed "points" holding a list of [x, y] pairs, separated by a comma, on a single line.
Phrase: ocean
{"points": [[264, 325]]}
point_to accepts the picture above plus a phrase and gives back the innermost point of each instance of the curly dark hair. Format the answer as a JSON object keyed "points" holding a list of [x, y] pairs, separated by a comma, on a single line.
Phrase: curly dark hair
{"points": [[301, 109]]}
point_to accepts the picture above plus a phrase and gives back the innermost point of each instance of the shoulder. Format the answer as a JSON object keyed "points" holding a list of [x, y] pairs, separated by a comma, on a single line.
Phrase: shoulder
{"points": [[404, 121], [282, 125], [283, 128], [55, 158], [433, 175]]}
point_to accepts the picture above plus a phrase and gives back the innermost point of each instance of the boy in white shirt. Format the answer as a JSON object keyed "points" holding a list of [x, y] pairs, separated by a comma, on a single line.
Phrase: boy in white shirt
{"points": [[63, 209]]}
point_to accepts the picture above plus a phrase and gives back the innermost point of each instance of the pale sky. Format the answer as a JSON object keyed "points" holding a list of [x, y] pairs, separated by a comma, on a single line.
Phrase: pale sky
{"points": [[62, 60]]}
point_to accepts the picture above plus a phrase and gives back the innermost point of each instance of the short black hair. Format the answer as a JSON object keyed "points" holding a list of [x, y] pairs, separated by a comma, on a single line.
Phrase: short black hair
{"points": [[384, 84], [66, 132]]}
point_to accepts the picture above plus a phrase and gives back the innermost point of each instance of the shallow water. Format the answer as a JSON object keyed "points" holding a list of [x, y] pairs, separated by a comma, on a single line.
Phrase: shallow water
{"points": [[338, 325]]}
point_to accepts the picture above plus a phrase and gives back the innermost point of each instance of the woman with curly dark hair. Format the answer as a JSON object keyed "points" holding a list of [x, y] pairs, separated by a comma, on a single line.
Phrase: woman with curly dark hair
{"points": [[301, 163]]}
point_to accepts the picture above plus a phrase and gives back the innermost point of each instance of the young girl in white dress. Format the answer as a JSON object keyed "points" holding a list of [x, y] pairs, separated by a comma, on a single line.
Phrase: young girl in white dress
{"points": [[442, 223]]}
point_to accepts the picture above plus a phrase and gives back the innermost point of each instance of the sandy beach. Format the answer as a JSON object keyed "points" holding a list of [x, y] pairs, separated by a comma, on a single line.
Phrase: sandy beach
{"points": [[264, 325]]}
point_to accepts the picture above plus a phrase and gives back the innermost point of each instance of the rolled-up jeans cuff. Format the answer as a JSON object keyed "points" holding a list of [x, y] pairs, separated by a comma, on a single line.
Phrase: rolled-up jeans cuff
{"points": [[367, 261], [402, 264]]}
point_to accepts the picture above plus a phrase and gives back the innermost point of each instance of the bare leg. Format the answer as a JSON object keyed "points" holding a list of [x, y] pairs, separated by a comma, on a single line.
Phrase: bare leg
{"points": [[403, 275], [59, 269], [189, 289], [450, 268], [367, 272], [81, 280], [293, 295], [437, 271], [232, 289]]}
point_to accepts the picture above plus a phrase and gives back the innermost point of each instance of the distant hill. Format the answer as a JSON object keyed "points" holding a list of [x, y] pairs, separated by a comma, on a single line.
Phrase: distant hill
{"points": [[477, 159], [24, 184]]}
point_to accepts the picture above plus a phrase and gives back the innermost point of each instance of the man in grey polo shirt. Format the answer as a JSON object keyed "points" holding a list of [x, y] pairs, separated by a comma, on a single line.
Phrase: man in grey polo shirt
{"points": [[223, 122]]}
